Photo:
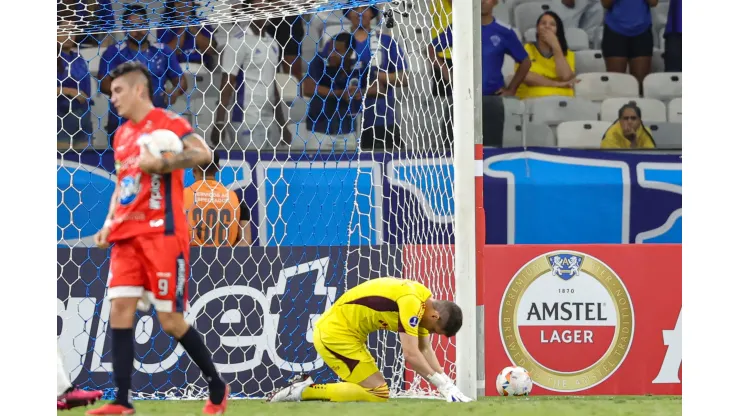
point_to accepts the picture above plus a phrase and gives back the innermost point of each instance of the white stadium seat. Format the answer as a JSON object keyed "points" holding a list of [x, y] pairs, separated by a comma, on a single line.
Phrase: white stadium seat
{"points": [[582, 134], [674, 110], [537, 135], [652, 110], [664, 86], [658, 62], [554, 110], [526, 15], [577, 38], [599, 86], [511, 4], [666, 135], [590, 60]]}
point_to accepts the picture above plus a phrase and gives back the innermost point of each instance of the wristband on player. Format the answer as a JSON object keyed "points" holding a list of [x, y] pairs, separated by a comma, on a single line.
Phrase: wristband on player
{"points": [[438, 379], [108, 222]]}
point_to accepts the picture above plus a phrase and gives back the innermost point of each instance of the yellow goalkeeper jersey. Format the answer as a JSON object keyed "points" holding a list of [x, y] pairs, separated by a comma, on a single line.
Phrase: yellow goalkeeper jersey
{"points": [[384, 303]]}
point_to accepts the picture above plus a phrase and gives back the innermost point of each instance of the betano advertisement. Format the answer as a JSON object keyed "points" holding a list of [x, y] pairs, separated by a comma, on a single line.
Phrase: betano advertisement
{"points": [[592, 319]]}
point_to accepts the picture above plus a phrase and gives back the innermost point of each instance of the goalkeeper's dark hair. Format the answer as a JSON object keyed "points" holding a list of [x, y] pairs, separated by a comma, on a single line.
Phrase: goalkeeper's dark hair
{"points": [[450, 315], [211, 168], [131, 67]]}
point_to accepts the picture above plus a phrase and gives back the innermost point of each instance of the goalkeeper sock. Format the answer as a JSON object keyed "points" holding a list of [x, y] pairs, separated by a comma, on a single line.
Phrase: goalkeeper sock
{"points": [[63, 383], [200, 355], [123, 364], [345, 392]]}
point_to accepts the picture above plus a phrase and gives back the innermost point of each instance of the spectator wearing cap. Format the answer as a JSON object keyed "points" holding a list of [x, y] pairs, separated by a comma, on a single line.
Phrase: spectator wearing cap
{"points": [[628, 132]]}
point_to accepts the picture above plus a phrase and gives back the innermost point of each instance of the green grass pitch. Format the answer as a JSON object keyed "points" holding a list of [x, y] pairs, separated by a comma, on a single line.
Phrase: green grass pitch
{"points": [[520, 406]]}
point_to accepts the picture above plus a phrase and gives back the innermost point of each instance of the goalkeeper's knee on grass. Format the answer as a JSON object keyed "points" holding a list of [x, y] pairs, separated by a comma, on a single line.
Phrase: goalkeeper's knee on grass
{"points": [[345, 392]]}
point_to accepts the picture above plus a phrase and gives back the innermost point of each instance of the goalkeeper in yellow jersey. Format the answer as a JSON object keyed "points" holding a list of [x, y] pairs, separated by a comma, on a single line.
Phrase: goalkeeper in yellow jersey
{"points": [[340, 337]]}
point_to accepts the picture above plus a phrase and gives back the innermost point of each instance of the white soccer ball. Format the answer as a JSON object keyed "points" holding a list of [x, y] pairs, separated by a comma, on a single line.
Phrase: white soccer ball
{"points": [[161, 141], [514, 381]]}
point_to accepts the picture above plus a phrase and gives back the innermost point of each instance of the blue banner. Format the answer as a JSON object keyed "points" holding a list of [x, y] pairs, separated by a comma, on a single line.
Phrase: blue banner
{"points": [[540, 196], [254, 307]]}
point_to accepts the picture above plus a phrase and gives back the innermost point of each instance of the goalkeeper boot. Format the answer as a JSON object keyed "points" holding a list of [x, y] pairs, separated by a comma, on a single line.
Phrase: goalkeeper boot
{"points": [[217, 409], [294, 390], [75, 397]]}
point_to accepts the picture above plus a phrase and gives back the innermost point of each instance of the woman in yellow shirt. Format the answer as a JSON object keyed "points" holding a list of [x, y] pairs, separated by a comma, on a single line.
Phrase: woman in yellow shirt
{"points": [[628, 132], [553, 70]]}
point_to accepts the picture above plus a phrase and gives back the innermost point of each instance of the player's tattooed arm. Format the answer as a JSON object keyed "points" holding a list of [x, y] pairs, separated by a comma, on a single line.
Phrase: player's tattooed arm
{"points": [[195, 152]]}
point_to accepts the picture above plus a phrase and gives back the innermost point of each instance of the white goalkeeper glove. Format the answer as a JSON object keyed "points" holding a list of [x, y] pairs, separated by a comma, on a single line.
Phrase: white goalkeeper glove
{"points": [[448, 389]]}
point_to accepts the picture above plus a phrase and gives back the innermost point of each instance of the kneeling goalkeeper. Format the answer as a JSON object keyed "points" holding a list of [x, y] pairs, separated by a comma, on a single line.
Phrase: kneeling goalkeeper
{"points": [[340, 337]]}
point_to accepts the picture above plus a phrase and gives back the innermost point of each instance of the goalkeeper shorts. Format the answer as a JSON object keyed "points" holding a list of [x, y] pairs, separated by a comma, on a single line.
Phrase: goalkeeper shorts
{"points": [[347, 356]]}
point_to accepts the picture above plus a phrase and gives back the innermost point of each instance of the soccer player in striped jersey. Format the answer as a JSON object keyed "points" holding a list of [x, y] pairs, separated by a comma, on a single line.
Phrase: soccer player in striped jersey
{"points": [[340, 337]]}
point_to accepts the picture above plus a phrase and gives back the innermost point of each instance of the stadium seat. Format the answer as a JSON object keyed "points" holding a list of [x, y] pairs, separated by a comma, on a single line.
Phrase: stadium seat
{"points": [[674, 110], [526, 15], [577, 38], [664, 86], [666, 135], [508, 68], [598, 86], [554, 110], [514, 106], [511, 5], [658, 63], [537, 135], [590, 60], [652, 110], [582, 134]]}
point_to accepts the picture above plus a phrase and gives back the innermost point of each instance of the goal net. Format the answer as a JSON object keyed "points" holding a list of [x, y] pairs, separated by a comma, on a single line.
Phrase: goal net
{"points": [[334, 132]]}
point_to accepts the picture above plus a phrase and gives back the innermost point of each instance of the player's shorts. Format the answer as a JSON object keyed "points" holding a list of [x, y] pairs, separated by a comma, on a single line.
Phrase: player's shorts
{"points": [[347, 356], [154, 268]]}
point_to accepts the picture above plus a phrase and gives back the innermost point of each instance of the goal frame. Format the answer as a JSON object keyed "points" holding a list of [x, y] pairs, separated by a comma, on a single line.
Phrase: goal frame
{"points": [[468, 186]]}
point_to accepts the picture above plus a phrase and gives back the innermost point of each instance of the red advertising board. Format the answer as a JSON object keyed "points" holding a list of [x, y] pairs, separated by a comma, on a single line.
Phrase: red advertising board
{"points": [[583, 319]]}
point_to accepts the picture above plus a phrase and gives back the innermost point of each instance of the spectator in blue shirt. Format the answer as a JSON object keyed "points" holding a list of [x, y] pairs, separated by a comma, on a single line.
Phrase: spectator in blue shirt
{"points": [[327, 83], [192, 43], [381, 65], [74, 124], [497, 40], [672, 37], [161, 61], [628, 36]]}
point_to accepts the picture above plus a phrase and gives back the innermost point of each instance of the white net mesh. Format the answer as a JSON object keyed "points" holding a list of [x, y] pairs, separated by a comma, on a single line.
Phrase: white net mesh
{"points": [[333, 131]]}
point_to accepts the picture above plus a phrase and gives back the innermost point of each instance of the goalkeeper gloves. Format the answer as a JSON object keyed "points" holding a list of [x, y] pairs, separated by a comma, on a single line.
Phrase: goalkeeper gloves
{"points": [[447, 388]]}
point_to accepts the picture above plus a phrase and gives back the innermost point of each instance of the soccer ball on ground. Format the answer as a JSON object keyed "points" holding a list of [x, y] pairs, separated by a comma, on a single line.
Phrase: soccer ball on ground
{"points": [[161, 142], [514, 381]]}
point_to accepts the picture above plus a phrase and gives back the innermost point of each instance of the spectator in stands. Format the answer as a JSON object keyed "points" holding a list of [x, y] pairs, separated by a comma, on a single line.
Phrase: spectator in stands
{"points": [[254, 54], [553, 69], [192, 43], [441, 11], [74, 125], [327, 84], [383, 58], [216, 215], [672, 37], [628, 132], [289, 32], [96, 14], [498, 40], [585, 14], [160, 59], [628, 36]]}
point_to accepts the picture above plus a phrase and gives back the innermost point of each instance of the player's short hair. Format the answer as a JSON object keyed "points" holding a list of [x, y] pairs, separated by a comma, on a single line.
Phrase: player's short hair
{"points": [[450, 316], [211, 168], [131, 67], [345, 39]]}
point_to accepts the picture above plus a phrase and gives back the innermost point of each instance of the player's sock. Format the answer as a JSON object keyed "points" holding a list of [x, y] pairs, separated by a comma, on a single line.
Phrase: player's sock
{"points": [[200, 355], [123, 364], [63, 383], [345, 392]]}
